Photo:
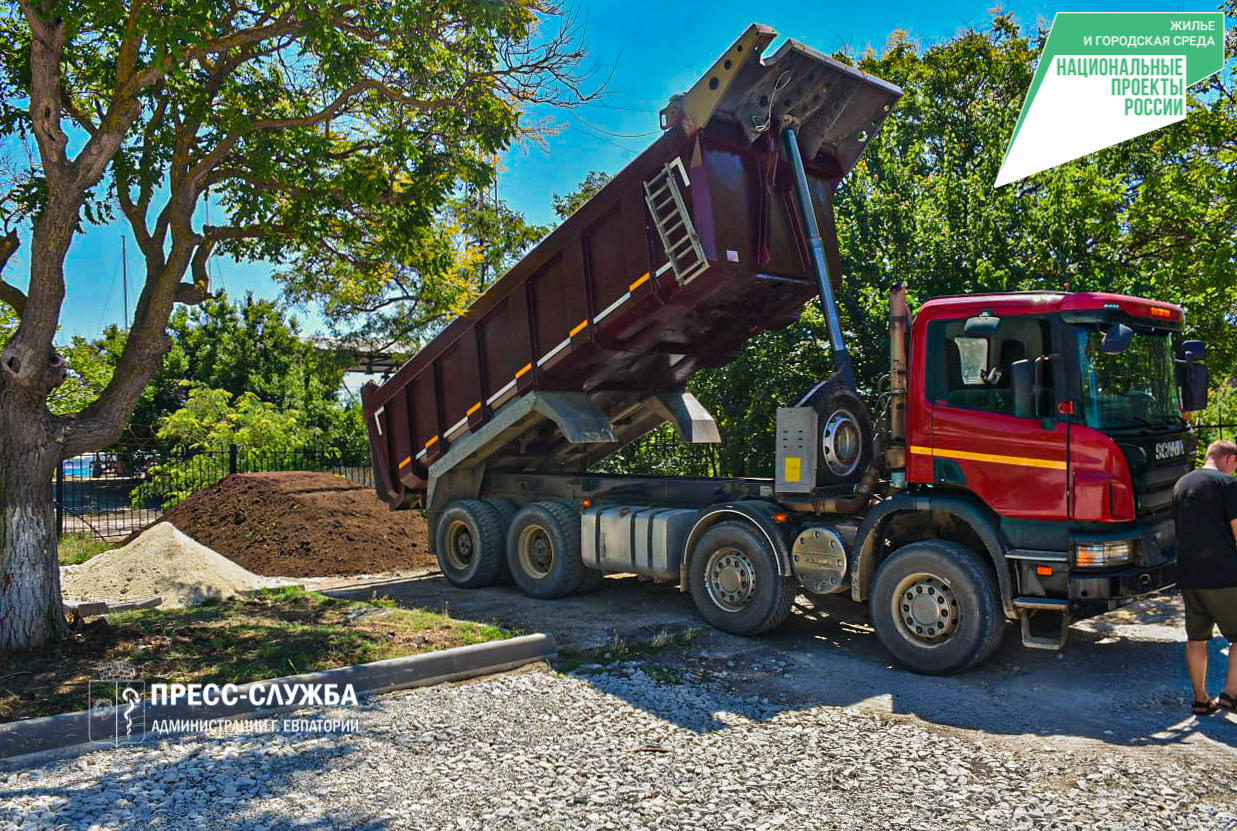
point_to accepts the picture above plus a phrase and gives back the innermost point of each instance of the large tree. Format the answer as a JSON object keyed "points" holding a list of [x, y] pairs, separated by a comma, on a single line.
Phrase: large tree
{"points": [[306, 123]]}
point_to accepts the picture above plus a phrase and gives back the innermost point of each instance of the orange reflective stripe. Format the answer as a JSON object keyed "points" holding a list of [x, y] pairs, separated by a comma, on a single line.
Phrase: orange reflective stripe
{"points": [[431, 441], [525, 368], [966, 455], [579, 327], [473, 409], [405, 463], [639, 282]]}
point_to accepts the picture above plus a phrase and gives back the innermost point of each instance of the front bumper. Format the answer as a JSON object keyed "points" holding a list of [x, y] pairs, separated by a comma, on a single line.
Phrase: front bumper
{"points": [[1083, 593], [1093, 593]]}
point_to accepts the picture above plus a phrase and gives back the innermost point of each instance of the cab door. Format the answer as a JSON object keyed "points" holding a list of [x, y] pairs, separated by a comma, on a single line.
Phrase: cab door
{"points": [[1017, 466]]}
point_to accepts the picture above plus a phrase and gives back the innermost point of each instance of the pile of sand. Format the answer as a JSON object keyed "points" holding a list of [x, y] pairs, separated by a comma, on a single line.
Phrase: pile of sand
{"points": [[303, 524], [160, 561]]}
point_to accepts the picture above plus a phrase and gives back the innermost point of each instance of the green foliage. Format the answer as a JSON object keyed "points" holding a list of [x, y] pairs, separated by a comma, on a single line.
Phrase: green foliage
{"points": [[239, 373], [1219, 419], [1156, 216], [255, 347], [251, 346], [8, 323], [211, 421], [377, 298], [75, 549], [566, 205], [214, 419]]}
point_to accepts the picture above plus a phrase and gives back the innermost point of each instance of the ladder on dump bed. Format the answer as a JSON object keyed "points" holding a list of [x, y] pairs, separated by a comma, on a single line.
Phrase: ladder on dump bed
{"points": [[674, 226]]}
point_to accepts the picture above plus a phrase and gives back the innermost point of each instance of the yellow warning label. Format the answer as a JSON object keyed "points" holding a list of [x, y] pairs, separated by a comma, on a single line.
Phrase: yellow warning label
{"points": [[792, 469]]}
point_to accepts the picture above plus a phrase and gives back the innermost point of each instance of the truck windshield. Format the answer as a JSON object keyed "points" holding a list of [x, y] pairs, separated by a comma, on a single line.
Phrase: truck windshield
{"points": [[1136, 388]]}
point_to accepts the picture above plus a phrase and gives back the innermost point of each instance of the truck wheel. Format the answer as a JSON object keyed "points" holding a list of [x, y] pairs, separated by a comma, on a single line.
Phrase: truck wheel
{"points": [[543, 550], [469, 544], [506, 512], [734, 581], [844, 433], [936, 606]]}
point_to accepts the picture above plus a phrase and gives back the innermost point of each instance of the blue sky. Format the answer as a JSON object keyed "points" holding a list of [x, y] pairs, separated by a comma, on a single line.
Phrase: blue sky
{"points": [[652, 51]]}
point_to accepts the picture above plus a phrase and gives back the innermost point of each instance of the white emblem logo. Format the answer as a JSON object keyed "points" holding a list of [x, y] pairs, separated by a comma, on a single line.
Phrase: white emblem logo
{"points": [[1169, 450]]}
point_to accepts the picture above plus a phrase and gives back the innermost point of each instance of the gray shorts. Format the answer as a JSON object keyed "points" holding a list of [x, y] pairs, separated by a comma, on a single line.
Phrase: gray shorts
{"points": [[1207, 608]]}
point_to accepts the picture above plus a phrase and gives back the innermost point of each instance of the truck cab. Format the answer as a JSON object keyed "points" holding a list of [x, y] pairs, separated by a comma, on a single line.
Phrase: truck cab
{"points": [[1059, 418]]}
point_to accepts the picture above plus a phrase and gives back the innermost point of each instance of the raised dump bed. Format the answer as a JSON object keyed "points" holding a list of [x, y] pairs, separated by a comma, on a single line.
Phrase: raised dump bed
{"points": [[689, 251]]}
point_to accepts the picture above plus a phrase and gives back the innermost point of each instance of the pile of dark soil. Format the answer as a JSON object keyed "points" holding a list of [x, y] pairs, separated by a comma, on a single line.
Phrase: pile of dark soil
{"points": [[303, 524]]}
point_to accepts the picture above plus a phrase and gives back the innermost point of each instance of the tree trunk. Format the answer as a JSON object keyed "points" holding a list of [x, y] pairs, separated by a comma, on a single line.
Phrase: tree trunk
{"points": [[31, 612]]}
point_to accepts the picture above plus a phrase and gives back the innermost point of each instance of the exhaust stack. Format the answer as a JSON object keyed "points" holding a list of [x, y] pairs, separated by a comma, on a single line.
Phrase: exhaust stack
{"points": [[899, 327]]}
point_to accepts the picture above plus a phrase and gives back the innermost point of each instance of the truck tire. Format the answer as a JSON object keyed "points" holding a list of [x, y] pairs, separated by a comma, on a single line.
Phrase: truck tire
{"points": [[844, 433], [543, 550], [469, 544], [936, 607], [734, 581], [506, 512]]}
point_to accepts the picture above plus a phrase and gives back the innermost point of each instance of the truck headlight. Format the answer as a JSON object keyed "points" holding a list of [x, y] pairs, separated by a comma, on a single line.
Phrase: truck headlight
{"points": [[1103, 554]]}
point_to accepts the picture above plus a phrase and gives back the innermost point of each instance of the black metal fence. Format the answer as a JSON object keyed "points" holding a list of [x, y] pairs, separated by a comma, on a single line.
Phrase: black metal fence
{"points": [[109, 494], [1207, 433]]}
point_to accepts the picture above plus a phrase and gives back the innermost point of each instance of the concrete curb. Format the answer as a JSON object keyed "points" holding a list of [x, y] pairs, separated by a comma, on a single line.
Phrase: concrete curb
{"points": [[37, 740]]}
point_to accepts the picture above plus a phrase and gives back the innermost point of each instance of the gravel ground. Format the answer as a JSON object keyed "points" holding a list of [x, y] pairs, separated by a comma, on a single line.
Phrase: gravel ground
{"points": [[620, 749]]}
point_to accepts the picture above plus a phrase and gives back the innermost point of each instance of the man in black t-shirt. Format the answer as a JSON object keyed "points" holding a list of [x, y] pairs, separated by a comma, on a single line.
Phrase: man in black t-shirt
{"points": [[1205, 513]]}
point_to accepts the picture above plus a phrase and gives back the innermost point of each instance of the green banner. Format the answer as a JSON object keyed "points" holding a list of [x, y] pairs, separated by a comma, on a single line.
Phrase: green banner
{"points": [[1105, 77]]}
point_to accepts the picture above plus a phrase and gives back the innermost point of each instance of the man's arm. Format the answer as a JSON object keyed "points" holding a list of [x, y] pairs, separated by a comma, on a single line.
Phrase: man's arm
{"points": [[1230, 504]]}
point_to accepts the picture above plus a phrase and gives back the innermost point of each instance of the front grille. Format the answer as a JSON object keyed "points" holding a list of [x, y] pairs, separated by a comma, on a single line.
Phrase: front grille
{"points": [[1153, 487]]}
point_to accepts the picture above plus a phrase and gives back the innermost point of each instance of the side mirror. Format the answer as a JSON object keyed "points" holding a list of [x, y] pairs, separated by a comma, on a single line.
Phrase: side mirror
{"points": [[1116, 339], [984, 326], [1193, 350], [1022, 380], [1194, 390]]}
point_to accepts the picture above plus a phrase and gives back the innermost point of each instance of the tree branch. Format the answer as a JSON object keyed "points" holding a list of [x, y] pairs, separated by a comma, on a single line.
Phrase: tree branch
{"points": [[46, 51], [10, 293]]}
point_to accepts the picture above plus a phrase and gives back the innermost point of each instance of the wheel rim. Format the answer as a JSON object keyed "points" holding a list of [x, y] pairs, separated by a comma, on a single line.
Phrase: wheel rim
{"points": [[926, 609], [536, 551], [841, 442], [730, 579], [460, 549]]}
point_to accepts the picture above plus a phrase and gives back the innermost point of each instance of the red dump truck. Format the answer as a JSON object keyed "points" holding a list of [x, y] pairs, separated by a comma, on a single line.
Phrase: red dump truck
{"points": [[1019, 466]]}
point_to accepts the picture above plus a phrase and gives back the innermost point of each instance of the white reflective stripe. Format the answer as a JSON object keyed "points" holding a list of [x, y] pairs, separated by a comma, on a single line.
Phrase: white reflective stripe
{"points": [[682, 171], [662, 270], [378, 419], [505, 389], [456, 426], [1038, 556], [422, 453], [547, 356], [606, 311]]}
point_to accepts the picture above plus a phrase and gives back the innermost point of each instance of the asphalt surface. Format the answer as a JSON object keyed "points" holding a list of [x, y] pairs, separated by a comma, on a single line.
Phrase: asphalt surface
{"points": [[1120, 680]]}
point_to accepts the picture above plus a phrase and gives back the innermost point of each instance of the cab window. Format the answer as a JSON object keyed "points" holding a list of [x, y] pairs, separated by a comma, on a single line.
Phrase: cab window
{"points": [[975, 373]]}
